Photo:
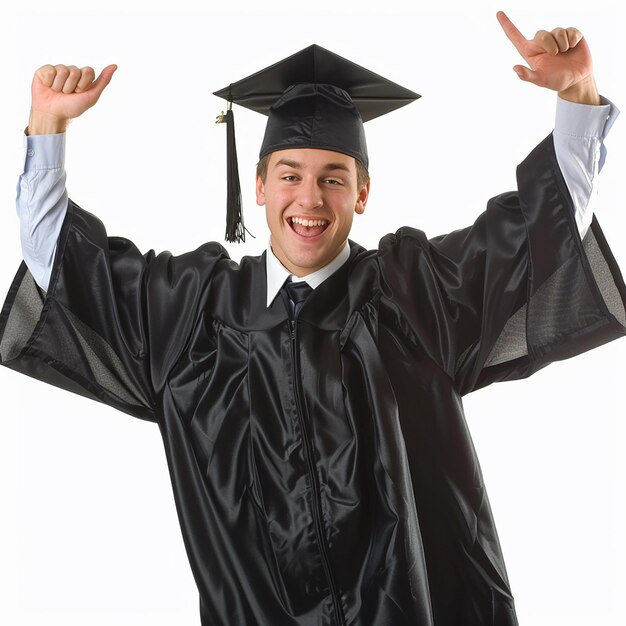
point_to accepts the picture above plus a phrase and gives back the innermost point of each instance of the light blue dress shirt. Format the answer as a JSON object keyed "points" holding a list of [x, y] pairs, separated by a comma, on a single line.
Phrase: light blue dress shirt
{"points": [[579, 133]]}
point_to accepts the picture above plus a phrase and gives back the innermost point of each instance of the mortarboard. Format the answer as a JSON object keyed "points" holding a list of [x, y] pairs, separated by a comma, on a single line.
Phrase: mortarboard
{"points": [[314, 99]]}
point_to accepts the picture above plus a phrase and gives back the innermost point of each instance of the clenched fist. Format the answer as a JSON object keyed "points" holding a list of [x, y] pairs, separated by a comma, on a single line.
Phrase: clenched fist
{"points": [[62, 92]]}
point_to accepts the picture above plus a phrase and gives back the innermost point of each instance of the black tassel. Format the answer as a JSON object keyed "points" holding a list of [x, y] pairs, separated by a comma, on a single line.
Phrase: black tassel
{"points": [[235, 230]]}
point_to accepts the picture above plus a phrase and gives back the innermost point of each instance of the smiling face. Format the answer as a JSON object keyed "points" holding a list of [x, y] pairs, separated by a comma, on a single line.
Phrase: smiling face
{"points": [[310, 199]]}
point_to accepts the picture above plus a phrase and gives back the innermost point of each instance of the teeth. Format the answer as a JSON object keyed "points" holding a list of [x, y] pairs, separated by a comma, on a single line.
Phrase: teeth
{"points": [[309, 223]]}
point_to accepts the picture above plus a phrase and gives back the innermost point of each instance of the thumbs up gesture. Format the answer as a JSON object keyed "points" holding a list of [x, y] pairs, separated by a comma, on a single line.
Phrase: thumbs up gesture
{"points": [[62, 92]]}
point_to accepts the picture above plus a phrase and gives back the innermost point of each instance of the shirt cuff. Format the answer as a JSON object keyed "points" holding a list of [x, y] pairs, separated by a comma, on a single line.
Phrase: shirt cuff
{"points": [[44, 152], [585, 120]]}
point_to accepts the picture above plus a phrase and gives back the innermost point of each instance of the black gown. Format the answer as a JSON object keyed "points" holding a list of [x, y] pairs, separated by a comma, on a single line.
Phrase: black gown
{"points": [[323, 471]]}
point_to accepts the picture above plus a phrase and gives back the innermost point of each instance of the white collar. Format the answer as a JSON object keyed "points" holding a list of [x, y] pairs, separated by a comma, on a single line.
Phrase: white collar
{"points": [[277, 274]]}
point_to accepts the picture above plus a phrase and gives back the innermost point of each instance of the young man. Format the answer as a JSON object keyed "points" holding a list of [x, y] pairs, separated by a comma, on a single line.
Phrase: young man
{"points": [[318, 452]]}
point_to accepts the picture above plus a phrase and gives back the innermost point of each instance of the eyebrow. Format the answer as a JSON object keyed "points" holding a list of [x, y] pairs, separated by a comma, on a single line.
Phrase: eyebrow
{"points": [[296, 165]]}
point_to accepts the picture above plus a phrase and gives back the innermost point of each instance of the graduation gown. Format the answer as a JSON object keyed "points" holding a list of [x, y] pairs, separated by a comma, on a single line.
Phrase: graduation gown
{"points": [[322, 469]]}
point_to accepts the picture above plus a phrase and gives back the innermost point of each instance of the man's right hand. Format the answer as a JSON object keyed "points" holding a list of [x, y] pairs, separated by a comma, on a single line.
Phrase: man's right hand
{"points": [[62, 92]]}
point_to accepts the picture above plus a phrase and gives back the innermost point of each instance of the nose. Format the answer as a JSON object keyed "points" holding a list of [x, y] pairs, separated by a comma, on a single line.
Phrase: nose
{"points": [[309, 194]]}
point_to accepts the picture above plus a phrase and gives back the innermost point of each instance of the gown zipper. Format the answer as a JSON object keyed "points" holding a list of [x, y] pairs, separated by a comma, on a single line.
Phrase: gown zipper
{"points": [[316, 496]]}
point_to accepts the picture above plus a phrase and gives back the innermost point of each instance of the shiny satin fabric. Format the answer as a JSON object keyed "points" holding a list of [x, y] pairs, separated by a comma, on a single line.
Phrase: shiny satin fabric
{"points": [[311, 115], [347, 423]]}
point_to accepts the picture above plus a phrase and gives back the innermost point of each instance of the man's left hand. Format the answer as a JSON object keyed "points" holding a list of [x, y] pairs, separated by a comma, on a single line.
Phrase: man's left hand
{"points": [[558, 60]]}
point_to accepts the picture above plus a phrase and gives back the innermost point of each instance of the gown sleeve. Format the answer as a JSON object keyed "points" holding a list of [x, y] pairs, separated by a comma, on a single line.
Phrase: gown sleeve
{"points": [[515, 291], [113, 321]]}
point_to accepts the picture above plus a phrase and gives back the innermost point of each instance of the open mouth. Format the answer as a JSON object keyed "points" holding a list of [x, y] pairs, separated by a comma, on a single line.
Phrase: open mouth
{"points": [[307, 228]]}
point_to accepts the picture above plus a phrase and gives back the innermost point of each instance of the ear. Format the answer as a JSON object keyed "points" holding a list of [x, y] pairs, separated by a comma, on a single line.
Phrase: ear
{"points": [[260, 191], [361, 200]]}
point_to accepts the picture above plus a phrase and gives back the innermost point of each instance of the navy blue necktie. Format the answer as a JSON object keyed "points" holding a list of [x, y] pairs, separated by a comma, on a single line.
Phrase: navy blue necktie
{"points": [[297, 293]]}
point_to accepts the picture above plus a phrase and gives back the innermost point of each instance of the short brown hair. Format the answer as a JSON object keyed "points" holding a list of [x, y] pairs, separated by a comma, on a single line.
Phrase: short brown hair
{"points": [[362, 175]]}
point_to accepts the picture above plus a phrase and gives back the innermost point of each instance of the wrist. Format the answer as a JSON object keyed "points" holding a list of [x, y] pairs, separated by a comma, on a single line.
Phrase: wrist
{"points": [[582, 92], [41, 123]]}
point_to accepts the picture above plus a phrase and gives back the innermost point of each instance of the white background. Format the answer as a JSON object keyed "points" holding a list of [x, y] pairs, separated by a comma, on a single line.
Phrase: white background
{"points": [[88, 530]]}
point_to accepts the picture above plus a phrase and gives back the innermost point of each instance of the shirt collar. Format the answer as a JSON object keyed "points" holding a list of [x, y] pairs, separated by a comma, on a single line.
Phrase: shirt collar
{"points": [[277, 274]]}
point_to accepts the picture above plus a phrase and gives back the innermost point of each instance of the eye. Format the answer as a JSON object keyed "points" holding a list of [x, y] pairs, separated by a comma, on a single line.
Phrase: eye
{"points": [[332, 181], [289, 178]]}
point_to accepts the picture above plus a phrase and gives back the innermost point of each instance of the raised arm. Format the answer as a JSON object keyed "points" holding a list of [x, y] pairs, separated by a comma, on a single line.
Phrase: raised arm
{"points": [[59, 93], [560, 60]]}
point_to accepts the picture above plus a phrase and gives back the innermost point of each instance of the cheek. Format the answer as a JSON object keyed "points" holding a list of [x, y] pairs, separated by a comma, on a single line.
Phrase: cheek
{"points": [[270, 217], [346, 218], [276, 201], [274, 210]]}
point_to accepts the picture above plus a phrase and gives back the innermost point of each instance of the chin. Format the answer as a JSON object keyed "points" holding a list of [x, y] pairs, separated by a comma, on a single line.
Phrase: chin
{"points": [[307, 265]]}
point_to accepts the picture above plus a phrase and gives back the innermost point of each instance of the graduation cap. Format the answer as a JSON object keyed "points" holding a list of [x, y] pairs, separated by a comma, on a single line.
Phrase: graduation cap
{"points": [[314, 99]]}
